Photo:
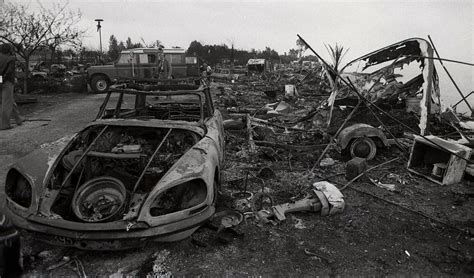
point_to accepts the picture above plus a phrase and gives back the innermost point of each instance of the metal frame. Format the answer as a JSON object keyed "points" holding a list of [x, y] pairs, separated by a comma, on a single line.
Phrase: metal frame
{"points": [[150, 160], [198, 92]]}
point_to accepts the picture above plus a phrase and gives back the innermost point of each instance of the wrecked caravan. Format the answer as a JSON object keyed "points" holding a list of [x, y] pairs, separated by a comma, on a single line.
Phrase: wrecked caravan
{"points": [[147, 168], [399, 79], [258, 66]]}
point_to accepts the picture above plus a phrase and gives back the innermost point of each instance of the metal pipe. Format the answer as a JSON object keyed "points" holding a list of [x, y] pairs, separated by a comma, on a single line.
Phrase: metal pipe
{"points": [[150, 160], [82, 157], [119, 105], [100, 40], [442, 59], [99, 29], [457, 103], [103, 105], [450, 77]]}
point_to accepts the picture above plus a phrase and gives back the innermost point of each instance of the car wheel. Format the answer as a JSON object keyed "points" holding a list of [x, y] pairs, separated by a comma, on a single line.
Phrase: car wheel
{"points": [[363, 147], [100, 84]]}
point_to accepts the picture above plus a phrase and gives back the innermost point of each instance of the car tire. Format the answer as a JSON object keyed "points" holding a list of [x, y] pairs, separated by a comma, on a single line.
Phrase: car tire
{"points": [[100, 84], [363, 147]]}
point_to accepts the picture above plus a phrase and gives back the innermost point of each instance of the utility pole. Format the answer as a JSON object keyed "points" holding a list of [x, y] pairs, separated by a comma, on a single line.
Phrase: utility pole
{"points": [[232, 59], [99, 27]]}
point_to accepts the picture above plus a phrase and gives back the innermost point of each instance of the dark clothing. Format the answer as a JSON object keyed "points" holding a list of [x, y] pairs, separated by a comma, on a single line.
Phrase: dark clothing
{"points": [[9, 108], [9, 249], [163, 69], [7, 67]]}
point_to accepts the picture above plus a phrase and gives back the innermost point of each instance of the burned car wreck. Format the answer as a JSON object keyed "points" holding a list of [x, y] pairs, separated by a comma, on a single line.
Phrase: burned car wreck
{"points": [[385, 92], [147, 168], [379, 100]]}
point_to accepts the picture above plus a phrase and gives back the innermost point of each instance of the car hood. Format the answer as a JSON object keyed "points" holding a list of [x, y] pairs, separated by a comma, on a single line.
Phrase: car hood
{"points": [[197, 127], [37, 167]]}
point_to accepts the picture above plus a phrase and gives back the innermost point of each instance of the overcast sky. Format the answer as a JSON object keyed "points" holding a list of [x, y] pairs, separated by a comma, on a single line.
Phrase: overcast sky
{"points": [[362, 26]]}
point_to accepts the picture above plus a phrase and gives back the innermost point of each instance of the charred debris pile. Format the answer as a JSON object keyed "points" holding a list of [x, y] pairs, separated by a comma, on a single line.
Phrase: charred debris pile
{"points": [[376, 126]]}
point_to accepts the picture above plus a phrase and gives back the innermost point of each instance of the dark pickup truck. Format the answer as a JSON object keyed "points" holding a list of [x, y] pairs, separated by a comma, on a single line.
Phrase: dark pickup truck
{"points": [[142, 63]]}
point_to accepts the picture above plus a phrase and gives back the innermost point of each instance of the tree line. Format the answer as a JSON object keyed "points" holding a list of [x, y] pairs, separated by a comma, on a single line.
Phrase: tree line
{"points": [[115, 47], [219, 54], [29, 31], [44, 31]]}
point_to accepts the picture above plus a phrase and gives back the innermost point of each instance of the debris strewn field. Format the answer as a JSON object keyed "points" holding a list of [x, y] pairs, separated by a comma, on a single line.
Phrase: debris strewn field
{"points": [[420, 227], [326, 170]]}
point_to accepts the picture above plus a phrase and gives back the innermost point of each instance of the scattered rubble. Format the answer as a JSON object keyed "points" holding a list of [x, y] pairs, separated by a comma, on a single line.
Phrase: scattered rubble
{"points": [[159, 268], [298, 128], [296, 141]]}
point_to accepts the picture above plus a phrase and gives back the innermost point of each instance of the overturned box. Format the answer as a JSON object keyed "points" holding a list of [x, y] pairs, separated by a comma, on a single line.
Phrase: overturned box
{"points": [[438, 160]]}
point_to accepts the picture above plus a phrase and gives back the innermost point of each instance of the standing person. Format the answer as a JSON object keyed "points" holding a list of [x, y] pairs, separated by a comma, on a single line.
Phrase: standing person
{"points": [[166, 68], [208, 73], [163, 66], [7, 80], [204, 70]]}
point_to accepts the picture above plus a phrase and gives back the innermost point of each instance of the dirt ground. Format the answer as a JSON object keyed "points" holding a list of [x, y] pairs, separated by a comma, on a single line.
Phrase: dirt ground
{"points": [[379, 233]]}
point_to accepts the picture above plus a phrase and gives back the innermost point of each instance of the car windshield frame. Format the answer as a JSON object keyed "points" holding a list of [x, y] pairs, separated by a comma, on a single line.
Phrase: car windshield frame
{"points": [[206, 107]]}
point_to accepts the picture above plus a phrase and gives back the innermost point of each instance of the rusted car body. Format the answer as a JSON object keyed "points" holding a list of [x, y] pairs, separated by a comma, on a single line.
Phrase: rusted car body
{"points": [[400, 78], [224, 74], [147, 168]]}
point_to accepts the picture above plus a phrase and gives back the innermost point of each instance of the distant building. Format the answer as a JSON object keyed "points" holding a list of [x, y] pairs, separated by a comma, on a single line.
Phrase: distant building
{"points": [[258, 66]]}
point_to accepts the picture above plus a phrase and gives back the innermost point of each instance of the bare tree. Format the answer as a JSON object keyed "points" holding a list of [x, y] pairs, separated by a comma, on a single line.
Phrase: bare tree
{"points": [[29, 30]]}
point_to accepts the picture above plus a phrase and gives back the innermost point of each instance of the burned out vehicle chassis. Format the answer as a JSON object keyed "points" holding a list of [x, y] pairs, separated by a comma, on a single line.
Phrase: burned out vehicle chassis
{"points": [[399, 79], [149, 170]]}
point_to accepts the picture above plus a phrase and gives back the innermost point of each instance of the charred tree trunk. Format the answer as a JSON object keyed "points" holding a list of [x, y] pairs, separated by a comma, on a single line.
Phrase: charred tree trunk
{"points": [[27, 74]]}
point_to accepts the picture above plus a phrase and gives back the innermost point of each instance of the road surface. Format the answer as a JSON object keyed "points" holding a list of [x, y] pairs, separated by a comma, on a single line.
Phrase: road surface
{"points": [[63, 115]]}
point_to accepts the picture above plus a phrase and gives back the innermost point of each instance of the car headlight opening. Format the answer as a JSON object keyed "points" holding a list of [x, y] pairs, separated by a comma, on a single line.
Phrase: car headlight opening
{"points": [[180, 197], [18, 188]]}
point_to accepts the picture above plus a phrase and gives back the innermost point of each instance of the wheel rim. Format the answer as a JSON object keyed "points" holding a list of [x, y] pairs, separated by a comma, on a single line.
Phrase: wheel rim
{"points": [[99, 199], [364, 148], [101, 85]]}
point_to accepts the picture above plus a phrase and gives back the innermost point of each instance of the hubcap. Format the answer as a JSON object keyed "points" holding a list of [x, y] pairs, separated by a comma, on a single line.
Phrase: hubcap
{"points": [[101, 85]]}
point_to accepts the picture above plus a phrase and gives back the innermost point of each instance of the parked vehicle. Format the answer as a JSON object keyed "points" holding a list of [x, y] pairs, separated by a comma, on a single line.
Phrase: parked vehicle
{"points": [[33, 74], [142, 63], [140, 172], [224, 74]]}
